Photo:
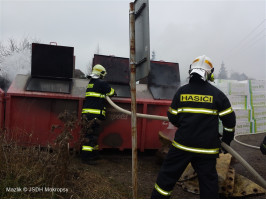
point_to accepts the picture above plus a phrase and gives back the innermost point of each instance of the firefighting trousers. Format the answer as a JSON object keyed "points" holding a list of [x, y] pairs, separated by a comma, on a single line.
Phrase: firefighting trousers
{"points": [[174, 166], [89, 149]]}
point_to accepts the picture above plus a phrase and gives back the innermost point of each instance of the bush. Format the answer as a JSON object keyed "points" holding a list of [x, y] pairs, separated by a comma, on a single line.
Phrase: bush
{"points": [[34, 172]]}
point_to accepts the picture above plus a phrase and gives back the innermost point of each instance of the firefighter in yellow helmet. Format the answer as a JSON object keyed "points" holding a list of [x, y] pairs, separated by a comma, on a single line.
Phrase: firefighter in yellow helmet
{"points": [[196, 109], [93, 112]]}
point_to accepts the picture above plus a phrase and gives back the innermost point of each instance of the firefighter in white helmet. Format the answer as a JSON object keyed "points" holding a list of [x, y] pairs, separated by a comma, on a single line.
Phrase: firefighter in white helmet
{"points": [[196, 109], [93, 112]]}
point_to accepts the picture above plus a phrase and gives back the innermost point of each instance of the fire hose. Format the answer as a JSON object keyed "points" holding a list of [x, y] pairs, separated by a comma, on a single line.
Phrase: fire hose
{"points": [[247, 145], [225, 146]]}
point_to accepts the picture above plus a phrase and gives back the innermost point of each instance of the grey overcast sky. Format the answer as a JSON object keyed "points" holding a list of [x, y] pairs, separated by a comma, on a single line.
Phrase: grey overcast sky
{"points": [[231, 31]]}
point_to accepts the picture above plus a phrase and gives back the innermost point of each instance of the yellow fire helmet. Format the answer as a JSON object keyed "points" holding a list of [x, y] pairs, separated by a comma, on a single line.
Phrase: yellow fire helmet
{"points": [[202, 66], [98, 71]]}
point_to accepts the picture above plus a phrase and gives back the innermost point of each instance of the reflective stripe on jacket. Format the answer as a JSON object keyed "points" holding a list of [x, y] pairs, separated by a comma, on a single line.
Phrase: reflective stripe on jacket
{"points": [[200, 110], [195, 150], [93, 111], [90, 148]]}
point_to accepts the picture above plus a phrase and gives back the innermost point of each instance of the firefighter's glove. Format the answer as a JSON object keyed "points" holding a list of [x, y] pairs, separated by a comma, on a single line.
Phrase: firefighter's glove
{"points": [[263, 146], [227, 137], [227, 140]]}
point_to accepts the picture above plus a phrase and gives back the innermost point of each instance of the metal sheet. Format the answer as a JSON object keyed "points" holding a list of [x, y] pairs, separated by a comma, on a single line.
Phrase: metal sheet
{"points": [[117, 68], [164, 74], [52, 61], [49, 85], [142, 38], [19, 84], [164, 79], [117, 73], [163, 92], [121, 90]]}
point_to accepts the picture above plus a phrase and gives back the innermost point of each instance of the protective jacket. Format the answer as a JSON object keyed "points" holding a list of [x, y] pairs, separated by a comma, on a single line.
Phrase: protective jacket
{"points": [[195, 110], [94, 104]]}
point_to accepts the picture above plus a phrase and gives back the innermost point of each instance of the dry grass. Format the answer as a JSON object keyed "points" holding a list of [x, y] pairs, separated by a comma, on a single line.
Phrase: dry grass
{"points": [[42, 169]]}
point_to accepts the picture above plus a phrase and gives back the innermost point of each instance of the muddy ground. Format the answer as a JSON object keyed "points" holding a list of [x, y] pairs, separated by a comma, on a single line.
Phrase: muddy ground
{"points": [[116, 166]]}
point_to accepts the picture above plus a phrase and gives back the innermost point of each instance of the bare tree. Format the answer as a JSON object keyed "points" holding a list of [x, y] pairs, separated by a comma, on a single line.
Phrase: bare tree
{"points": [[14, 46], [11, 47]]}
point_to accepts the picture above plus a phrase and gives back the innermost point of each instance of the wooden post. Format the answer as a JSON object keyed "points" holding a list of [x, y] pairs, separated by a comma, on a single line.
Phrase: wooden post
{"points": [[133, 100]]}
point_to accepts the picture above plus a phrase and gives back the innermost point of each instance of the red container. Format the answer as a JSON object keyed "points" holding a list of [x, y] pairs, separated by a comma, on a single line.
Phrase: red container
{"points": [[2, 108], [116, 131], [31, 116]]}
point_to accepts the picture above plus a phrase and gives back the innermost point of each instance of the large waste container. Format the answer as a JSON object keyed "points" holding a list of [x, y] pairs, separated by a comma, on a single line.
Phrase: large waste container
{"points": [[2, 108], [33, 103], [31, 116]]}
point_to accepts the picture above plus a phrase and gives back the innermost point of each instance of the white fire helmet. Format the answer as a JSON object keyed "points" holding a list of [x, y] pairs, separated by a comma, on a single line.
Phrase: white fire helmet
{"points": [[98, 71], [202, 66]]}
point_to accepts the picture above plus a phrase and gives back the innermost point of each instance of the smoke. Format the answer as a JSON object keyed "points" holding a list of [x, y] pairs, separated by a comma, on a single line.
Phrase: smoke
{"points": [[18, 62]]}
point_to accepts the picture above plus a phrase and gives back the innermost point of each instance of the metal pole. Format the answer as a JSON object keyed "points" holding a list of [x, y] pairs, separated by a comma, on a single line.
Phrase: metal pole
{"points": [[133, 99]]}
